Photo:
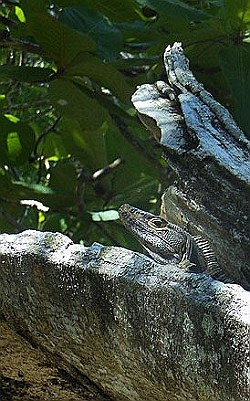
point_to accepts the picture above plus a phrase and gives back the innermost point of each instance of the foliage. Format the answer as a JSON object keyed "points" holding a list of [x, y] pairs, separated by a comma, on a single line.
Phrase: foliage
{"points": [[72, 149]]}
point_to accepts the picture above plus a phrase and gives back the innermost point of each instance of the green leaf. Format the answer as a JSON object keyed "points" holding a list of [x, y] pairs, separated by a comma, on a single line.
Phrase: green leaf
{"points": [[113, 9], [25, 74], [60, 42], [175, 9], [72, 102], [106, 215], [205, 51], [3, 102], [60, 194], [137, 174], [235, 63], [107, 36], [235, 15], [63, 182], [17, 141], [29, 7], [53, 147], [20, 15], [17, 190], [14, 145], [29, 189], [102, 73], [54, 223], [86, 145]]}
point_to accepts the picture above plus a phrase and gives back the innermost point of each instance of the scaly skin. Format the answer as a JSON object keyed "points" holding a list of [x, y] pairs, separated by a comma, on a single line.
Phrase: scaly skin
{"points": [[167, 243]]}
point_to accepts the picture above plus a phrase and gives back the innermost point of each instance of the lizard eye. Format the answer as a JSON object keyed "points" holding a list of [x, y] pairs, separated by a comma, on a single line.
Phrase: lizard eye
{"points": [[157, 223]]}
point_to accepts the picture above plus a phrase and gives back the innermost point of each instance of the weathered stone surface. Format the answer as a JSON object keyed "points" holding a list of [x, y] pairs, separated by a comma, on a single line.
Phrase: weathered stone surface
{"points": [[139, 330]]}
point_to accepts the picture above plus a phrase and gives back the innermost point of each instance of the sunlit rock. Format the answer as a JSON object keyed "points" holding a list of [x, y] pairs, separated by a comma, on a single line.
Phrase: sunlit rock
{"points": [[138, 330]]}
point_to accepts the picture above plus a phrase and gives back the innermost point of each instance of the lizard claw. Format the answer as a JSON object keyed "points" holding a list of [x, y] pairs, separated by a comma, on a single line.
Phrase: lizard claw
{"points": [[187, 265]]}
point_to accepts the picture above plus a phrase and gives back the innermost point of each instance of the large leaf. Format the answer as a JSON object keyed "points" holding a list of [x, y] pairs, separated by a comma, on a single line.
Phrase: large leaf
{"points": [[235, 63], [236, 15], [61, 193], [17, 190], [102, 73], [60, 41], [113, 9], [33, 6], [203, 44], [136, 175], [17, 141], [72, 102], [53, 147], [86, 145], [97, 26], [175, 9], [25, 74], [175, 20], [63, 172]]}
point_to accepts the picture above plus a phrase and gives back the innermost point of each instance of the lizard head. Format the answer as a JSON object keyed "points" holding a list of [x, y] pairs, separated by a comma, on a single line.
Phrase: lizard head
{"points": [[162, 240]]}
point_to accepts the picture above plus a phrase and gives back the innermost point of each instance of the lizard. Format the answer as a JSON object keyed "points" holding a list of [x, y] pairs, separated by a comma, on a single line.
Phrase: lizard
{"points": [[168, 243]]}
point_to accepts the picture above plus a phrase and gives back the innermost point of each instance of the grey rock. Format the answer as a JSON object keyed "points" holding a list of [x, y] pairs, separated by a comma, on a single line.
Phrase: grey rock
{"points": [[137, 329]]}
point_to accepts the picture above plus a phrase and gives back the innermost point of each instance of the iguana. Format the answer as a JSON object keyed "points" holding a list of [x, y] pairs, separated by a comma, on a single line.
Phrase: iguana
{"points": [[166, 242]]}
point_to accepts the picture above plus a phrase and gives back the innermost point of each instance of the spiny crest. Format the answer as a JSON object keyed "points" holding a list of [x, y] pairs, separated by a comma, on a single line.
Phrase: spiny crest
{"points": [[208, 253], [213, 268]]}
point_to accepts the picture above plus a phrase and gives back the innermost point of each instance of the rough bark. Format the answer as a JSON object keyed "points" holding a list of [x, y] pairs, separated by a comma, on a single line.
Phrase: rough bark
{"points": [[210, 155], [138, 330]]}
